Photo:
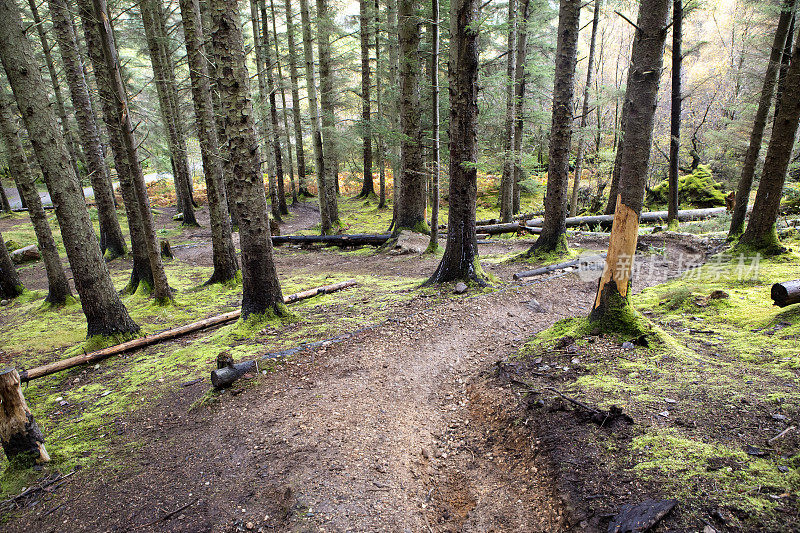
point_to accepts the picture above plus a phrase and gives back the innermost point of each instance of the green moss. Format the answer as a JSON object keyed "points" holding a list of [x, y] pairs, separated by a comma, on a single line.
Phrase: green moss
{"points": [[698, 189], [617, 316]]}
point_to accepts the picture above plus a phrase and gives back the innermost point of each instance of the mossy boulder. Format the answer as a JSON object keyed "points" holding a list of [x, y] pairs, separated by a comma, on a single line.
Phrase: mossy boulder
{"points": [[698, 189]]}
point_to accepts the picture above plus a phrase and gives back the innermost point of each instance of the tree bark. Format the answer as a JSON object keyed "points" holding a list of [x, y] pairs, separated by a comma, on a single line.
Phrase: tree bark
{"points": [[164, 78], [10, 284], [519, 98], [786, 58], [579, 156], [58, 286], [647, 58], [265, 124], [112, 243], [394, 111], [20, 435], [507, 179], [328, 111], [675, 112], [261, 291], [105, 313], [273, 110], [281, 87], [460, 260], [760, 233], [760, 122], [327, 225], [69, 138], [160, 287], [411, 197], [786, 293], [435, 155], [298, 129], [554, 229], [141, 263], [5, 205], [379, 141], [223, 251], [365, 23]]}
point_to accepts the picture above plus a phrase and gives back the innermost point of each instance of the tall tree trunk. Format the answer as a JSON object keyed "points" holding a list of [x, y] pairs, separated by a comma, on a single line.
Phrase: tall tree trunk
{"points": [[519, 97], [261, 291], [675, 113], [273, 110], [298, 129], [5, 205], [112, 243], [434, 242], [222, 138], [365, 23], [553, 236], [58, 286], [328, 110], [141, 262], [394, 112], [164, 79], [160, 288], [328, 225], [760, 232], [69, 138], [10, 284], [579, 156], [281, 84], [265, 124], [460, 260], [612, 304], [224, 253], [411, 197], [507, 180], [105, 313], [380, 142], [786, 58], [760, 122]]}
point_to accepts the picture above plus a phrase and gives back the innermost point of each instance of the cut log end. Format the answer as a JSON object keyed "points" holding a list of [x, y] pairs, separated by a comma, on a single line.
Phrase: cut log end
{"points": [[786, 293], [20, 435]]}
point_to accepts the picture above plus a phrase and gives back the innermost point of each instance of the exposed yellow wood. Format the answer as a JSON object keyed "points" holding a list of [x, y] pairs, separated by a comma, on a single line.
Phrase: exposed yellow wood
{"points": [[621, 249]]}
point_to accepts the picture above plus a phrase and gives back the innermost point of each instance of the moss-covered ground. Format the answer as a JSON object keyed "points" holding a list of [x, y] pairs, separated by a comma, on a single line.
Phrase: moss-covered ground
{"points": [[719, 378]]}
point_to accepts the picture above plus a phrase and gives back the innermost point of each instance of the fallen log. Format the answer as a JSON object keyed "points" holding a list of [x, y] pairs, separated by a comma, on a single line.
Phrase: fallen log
{"points": [[356, 239], [786, 293], [647, 217], [551, 268], [64, 364]]}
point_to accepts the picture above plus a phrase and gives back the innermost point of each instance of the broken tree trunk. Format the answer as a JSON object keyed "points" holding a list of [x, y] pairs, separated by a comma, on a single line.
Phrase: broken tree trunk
{"points": [[550, 268], [64, 364], [786, 293], [648, 217], [20, 435], [356, 239]]}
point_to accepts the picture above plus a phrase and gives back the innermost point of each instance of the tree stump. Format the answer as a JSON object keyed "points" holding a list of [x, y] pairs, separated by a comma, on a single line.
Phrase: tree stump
{"points": [[166, 250], [20, 435]]}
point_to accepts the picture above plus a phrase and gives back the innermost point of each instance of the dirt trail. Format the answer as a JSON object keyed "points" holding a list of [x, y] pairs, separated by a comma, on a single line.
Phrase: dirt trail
{"points": [[378, 433]]}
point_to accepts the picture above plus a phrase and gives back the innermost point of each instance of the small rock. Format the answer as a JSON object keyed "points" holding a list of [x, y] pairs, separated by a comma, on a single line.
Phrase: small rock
{"points": [[779, 417], [718, 295], [26, 254], [575, 361], [627, 345], [665, 414], [537, 360], [249, 525], [670, 400], [709, 529], [62, 403], [460, 288], [535, 306], [5, 302], [782, 468]]}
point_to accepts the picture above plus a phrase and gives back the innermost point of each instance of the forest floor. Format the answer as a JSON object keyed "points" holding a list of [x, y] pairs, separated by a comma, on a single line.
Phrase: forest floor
{"points": [[439, 412]]}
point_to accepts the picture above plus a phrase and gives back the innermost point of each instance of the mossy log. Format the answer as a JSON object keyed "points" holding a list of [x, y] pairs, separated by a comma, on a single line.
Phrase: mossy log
{"points": [[786, 293], [649, 217], [64, 364], [20, 435], [356, 239]]}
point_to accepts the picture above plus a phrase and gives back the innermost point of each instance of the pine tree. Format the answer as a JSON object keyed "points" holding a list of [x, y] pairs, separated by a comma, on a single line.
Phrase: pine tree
{"points": [[506, 182], [296, 120], [365, 23], [261, 291], [460, 260]]}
